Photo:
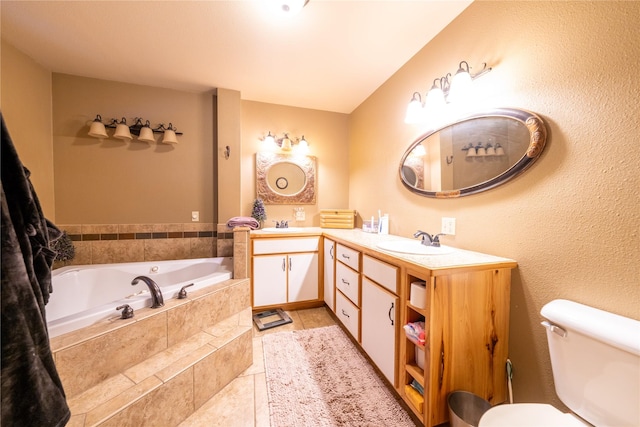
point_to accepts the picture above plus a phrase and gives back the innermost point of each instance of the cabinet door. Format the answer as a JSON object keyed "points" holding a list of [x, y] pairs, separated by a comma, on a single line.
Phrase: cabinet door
{"points": [[303, 277], [329, 273], [378, 322], [269, 280]]}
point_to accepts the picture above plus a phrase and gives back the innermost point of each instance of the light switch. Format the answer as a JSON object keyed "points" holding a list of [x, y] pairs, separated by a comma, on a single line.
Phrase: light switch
{"points": [[195, 216]]}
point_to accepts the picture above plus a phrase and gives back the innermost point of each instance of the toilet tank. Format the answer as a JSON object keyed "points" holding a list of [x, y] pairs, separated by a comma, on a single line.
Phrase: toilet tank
{"points": [[595, 357]]}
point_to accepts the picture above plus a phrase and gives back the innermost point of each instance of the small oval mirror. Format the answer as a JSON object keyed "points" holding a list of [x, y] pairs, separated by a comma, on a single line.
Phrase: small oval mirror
{"points": [[473, 154], [285, 179]]}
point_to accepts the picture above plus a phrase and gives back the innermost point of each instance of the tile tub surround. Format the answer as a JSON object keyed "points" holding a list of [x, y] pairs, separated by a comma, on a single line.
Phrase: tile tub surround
{"points": [[115, 243], [184, 352]]}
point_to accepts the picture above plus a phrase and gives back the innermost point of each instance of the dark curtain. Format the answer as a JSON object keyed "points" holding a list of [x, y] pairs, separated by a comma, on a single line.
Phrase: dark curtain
{"points": [[32, 394]]}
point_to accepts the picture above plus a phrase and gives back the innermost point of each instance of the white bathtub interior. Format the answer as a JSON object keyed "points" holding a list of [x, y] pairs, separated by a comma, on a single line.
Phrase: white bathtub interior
{"points": [[85, 294]]}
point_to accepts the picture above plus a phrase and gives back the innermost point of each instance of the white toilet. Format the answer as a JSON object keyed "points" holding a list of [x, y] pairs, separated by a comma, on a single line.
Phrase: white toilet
{"points": [[595, 357]]}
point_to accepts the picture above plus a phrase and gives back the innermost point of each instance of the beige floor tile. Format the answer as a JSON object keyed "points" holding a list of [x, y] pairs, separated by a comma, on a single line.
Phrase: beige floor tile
{"points": [[258, 358], [316, 318], [261, 401], [232, 406]]}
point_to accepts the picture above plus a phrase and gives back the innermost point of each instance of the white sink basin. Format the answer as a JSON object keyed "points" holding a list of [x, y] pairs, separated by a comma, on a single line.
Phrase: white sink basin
{"points": [[281, 230], [414, 247]]}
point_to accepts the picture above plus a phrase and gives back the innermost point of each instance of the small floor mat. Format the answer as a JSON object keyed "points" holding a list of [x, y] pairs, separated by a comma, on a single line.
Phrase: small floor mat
{"points": [[271, 319]]}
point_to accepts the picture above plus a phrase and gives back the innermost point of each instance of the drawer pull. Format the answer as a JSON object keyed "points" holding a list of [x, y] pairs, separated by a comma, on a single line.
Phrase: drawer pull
{"points": [[345, 256], [346, 282], [284, 265], [290, 264], [391, 308], [331, 251], [344, 313]]}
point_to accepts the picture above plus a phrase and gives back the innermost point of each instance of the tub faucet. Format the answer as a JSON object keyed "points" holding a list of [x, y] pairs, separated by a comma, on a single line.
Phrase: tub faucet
{"points": [[154, 289], [428, 239]]}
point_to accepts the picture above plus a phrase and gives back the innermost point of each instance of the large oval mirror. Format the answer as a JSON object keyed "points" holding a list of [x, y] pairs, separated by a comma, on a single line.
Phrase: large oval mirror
{"points": [[473, 154], [285, 179]]}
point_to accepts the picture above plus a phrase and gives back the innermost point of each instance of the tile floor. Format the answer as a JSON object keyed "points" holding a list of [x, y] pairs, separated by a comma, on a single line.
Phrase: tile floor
{"points": [[243, 403]]}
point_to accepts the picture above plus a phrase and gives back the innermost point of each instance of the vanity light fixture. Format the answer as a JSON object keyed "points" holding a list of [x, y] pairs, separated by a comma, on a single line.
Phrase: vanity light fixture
{"points": [[480, 150], [444, 89], [285, 143], [142, 130]]}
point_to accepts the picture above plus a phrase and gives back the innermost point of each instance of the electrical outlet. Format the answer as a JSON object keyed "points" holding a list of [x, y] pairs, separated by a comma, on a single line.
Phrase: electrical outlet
{"points": [[195, 216], [449, 226], [299, 214]]}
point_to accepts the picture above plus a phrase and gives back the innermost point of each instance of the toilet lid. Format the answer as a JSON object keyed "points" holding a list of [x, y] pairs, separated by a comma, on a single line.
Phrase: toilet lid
{"points": [[528, 415]]}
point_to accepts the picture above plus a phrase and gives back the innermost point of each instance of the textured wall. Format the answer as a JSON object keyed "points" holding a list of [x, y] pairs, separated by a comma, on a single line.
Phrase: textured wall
{"points": [[26, 107], [116, 182], [572, 220]]}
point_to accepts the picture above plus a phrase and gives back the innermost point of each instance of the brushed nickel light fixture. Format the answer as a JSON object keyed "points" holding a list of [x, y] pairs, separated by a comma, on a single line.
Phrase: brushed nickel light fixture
{"points": [[444, 90], [284, 143], [142, 130]]}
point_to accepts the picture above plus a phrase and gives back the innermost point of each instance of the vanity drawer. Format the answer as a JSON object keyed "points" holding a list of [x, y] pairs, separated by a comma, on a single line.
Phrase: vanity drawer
{"points": [[348, 256], [348, 281], [348, 314], [381, 273], [275, 246]]}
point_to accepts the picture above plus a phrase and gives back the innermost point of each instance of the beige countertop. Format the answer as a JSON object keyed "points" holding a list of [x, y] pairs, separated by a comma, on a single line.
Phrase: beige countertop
{"points": [[367, 243]]}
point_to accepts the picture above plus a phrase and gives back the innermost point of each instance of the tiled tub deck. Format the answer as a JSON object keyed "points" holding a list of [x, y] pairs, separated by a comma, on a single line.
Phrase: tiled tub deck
{"points": [[160, 366]]}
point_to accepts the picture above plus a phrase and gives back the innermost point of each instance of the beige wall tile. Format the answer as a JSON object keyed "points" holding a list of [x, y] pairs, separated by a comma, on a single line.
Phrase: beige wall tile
{"points": [[107, 355], [168, 227], [71, 228], [224, 247], [116, 251], [201, 247], [98, 395], [99, 228], [135, 228], [83, 254], [166, 249], [198, 226], [109, 412], [218, 370]]}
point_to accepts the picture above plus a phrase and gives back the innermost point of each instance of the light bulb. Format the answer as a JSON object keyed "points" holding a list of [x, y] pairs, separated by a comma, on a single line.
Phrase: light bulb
{"points": [[460, 84], [303, 146], [415, 112]]}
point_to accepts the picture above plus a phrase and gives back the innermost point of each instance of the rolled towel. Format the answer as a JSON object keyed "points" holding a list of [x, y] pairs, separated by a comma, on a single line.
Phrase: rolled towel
{"points": [[243, 221]]}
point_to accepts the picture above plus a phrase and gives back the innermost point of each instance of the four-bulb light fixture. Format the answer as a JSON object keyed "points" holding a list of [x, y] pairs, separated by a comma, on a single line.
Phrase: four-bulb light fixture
{"points": [[299, 146], [143, 131], [444, 90]]}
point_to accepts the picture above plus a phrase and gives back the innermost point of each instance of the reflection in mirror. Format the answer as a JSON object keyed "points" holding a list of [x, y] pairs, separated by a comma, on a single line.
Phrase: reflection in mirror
{"points": [[474, 154], [285, 179]]}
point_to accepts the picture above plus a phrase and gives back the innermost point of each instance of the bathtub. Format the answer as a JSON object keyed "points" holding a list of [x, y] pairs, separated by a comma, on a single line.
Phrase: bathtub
{"points": [[85, 294]]}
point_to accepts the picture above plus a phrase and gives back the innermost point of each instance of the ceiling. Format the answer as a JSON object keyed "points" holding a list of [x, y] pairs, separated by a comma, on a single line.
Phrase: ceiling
{"points": [[331, 56]]}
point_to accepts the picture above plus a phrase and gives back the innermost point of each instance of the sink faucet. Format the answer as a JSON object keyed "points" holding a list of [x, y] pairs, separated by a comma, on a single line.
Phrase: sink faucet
{"points": [[282, 224], [428, 239], [154, 289]]}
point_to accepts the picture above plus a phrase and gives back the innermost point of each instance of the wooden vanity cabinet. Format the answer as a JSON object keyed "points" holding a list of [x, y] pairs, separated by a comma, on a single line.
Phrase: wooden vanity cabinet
{"points": [[380, 313], [285, 271], [466, 314], [329, 276]]}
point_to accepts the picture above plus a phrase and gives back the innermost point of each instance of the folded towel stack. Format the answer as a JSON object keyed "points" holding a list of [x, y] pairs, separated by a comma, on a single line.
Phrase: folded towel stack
{"points": [[243, 221]]}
